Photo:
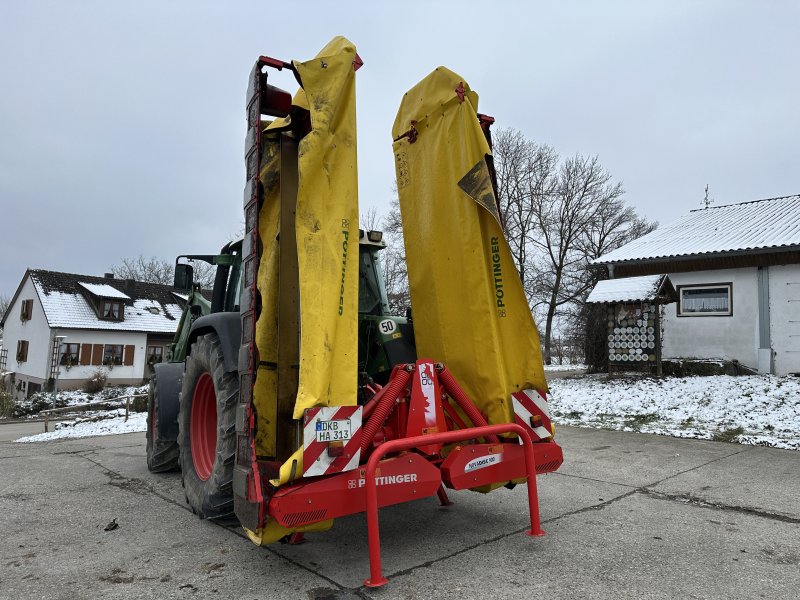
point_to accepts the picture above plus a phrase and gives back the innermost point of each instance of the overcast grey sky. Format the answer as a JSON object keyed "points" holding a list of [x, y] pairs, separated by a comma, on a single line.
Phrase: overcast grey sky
{"points": [[122, 124]]}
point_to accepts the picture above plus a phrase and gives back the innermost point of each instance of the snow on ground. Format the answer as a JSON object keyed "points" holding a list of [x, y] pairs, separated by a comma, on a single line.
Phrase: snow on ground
{"points": [[565, 367], [760, 409], [87, 422], [101, 423]]}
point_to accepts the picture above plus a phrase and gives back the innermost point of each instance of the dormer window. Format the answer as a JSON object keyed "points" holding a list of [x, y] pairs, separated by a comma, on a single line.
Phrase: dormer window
{"points": [[112, 311], [108, 302]]}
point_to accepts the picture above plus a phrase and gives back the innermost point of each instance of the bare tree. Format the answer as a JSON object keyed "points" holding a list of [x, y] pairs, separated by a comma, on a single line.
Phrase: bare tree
{"points": [[558, 216], [150, 270], [204, 274], [156, 270], [370, 220], [5, 302], [526, 173], [562, 220], [393, 260], [615, 225]]}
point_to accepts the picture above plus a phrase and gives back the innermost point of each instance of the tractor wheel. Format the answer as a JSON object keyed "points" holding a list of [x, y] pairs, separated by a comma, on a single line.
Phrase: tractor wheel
{"points": [[207, 429], [162, 453]]}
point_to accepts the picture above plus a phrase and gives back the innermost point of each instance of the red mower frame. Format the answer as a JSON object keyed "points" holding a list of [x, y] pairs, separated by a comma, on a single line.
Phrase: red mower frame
{"points": [[412, 466]]}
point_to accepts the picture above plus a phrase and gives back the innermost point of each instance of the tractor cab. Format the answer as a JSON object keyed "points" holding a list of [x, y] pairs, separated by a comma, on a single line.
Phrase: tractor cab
{"points": [[384, 340]]}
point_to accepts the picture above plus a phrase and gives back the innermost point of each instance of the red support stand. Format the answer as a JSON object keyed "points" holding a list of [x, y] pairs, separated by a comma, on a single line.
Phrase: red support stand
{"points": [[441, 493], [376, 578]]}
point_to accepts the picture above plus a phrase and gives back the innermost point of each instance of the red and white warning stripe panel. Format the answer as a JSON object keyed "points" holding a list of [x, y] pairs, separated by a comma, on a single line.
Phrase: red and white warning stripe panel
{"points": [[331, 439], [530, 411]]}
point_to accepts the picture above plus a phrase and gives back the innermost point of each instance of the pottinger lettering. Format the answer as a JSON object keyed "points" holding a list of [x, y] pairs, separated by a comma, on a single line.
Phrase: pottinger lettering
{"points": [[391, 479], [497, 272], [345, 234]]}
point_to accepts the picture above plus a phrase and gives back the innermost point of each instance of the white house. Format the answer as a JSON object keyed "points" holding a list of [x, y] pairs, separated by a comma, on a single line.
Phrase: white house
{"points": [[67, 326], [736, 270]]}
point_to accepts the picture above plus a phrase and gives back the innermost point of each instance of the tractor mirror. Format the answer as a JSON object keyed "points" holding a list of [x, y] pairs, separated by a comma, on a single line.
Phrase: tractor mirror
{"points": [[184, 275]]}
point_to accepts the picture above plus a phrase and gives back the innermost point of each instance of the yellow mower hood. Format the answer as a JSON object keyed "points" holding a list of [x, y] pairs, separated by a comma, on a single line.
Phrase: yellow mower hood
{"points": [[470, 310]]}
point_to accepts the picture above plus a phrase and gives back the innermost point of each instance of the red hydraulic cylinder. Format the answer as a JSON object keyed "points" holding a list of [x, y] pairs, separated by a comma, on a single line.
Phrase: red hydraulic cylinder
{"points": [[376, 578], [389, 393], [454, 390]]}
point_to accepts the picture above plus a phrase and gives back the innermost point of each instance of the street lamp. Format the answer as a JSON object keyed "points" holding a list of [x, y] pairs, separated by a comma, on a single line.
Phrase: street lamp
{"points": [[59, 340]]}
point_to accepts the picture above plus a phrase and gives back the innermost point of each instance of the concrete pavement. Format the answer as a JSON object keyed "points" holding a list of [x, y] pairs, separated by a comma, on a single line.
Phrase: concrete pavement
{"points": [[10, 431], [628, 515]]}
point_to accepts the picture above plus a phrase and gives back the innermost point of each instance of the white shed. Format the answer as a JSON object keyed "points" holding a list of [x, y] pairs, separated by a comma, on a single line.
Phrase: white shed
{"points": [[736, 270]]}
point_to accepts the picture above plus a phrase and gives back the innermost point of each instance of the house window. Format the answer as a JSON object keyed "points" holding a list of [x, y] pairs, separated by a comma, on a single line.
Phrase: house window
{"points": [[712, 300], [26, 310], [155, 354], [112, 311], [112, 354], [69, 355], [22, 350]]}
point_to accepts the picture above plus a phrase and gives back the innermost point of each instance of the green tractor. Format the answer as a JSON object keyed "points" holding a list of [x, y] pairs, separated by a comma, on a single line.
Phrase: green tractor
{"points": [[204, 356]]}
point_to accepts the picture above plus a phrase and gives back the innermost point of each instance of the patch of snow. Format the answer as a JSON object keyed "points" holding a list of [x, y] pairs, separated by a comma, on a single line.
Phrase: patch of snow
{"points": [[626, 289], [103, 290], [566, 367], [759, 409], [89, 428]]}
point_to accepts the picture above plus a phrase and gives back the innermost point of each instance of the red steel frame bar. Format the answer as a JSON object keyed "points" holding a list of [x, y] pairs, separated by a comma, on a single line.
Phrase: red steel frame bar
{"points": [[376, 578]]}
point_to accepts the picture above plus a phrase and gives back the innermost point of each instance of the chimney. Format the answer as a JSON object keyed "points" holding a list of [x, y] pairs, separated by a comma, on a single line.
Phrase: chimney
{"points": [[130, 287], [108, 275]]}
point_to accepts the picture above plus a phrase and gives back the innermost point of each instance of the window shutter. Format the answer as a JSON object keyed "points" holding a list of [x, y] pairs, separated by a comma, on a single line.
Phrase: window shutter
{"points": [[128, 360], [26, 310], [86, 354], [97, 354]]}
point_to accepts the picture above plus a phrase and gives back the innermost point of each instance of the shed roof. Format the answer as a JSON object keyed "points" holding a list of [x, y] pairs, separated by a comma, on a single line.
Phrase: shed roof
{"points": [[773, 223], [632, 289]]}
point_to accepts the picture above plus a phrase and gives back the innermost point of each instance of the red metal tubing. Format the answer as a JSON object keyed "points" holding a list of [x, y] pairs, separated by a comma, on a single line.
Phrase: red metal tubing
{"points": [[389, 394], [460, 396], [376, 578]]}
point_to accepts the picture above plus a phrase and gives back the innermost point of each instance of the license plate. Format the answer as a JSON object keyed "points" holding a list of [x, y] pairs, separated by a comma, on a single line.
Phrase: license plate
{"points": [[333, 430]]}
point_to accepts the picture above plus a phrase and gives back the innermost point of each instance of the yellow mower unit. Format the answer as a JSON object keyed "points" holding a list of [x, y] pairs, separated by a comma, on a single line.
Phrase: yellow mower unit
{"points": [[313, 401]]}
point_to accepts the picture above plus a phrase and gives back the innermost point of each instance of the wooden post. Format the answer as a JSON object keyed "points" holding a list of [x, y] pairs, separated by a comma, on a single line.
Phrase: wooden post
{"points": [[658, 340], [127, 406], [46, 417]]}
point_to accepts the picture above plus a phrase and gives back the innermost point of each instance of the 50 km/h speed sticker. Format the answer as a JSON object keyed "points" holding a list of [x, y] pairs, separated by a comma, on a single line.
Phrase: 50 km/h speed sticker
{"points": [[387, 326], [331, 431]]}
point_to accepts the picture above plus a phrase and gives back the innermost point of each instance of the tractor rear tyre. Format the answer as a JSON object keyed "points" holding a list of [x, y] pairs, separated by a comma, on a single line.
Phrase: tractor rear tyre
{"points": [[162, 453], [207, 429]]}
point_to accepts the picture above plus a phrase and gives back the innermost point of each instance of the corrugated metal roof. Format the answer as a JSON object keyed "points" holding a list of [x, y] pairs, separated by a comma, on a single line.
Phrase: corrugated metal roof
{"points": [[757, 225], [150, 307], [627, 289]]}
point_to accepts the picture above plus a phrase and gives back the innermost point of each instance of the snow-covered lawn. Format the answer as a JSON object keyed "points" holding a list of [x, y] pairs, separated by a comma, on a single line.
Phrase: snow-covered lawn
{"points": [[88, 423], [759, 409], [101, 423]]}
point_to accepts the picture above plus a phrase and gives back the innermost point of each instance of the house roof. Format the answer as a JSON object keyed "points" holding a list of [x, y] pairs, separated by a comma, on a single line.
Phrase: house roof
{"points": [[150, 307], [632, 289], [760, 225]]}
